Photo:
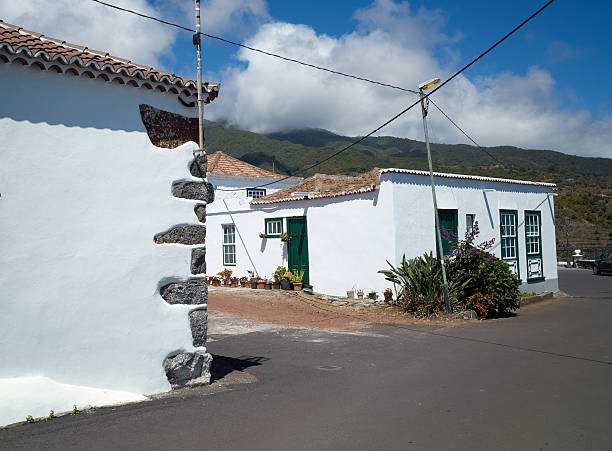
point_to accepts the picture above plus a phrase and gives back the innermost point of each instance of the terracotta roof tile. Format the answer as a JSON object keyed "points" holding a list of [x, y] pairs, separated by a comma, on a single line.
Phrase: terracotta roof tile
{"points": [[222, 164], [13, 38], [324, 185]]}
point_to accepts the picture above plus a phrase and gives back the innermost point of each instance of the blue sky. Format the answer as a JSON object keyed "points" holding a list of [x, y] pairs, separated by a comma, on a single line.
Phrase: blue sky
{"points": [[539, 89]]}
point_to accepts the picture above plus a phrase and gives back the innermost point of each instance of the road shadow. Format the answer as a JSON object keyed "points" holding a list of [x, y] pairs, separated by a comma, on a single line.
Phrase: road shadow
{"points": [[222, 365]]}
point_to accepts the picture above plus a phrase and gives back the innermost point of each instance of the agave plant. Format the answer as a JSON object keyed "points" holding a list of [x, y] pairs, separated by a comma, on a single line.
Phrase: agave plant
{"points": [[420, 284]]}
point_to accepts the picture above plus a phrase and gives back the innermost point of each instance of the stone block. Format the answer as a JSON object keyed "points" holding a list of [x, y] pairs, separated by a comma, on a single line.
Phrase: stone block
{"points": [[190, 292], [198, 167], [188, 368], [198, 322], [200, 212], [182, 234], [198, 260], [194, 190]]}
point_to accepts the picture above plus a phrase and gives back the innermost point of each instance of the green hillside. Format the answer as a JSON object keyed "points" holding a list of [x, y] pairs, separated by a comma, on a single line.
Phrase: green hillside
{"points": [[584, 184]]}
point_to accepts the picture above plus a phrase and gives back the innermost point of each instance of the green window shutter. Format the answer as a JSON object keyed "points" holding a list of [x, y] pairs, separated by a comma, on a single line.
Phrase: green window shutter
{"points": [[273, 227], [533, 245]]}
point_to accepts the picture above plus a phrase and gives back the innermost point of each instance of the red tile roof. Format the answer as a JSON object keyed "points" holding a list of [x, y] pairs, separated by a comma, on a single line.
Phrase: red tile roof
{"points": [[54, 53], [323, 185], [223, 164]]}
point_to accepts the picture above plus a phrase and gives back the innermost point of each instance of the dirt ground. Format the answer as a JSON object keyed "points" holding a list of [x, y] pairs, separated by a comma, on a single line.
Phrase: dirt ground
{"points": [[300, 310]]}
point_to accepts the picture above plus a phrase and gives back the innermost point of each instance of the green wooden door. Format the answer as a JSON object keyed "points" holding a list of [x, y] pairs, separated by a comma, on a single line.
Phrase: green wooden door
{"points": [[297, 248], [449, 221]]}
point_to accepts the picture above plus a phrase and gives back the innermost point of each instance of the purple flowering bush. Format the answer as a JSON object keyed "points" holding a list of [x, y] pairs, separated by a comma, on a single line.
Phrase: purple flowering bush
{"points": [[483, 278]]}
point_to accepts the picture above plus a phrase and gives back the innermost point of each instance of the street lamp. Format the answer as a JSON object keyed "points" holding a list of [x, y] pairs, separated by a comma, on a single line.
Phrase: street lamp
{"points": [[423, 87]]}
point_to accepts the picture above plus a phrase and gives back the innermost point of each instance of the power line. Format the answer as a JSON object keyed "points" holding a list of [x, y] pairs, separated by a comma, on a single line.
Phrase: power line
{"points": [[440, 86], [349, 76], [254, 49]]}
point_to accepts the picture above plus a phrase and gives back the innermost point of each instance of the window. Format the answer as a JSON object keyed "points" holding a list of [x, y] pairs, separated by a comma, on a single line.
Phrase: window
{"points": [[533, 244], [509, 240], [274, 227], [469, 222], [229, 245], [256, 193]]}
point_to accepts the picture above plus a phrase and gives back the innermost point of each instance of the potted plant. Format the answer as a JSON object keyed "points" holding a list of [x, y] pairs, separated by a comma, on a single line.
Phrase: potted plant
{"points": [[216, 281], [284, 237], [297, 280], [209, 280], [261, 284], [373, 295], [278, 276], [252, 280], [226, 276], [233, 281], [360, 294], [388, 294], [244, 281], [285, 282], [268, 284]]}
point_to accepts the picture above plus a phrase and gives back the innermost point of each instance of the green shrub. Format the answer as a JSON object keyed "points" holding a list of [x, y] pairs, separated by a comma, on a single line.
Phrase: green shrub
{"points": [[476, 273], [477, 280]]}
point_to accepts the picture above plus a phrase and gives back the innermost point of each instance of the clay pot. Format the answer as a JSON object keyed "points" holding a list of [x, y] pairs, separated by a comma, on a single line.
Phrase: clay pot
{"points": [[298, 286], [261, 284]]}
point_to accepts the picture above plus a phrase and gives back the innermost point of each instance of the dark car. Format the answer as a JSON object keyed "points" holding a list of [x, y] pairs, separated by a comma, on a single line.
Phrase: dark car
{"points": [[603, 263]]}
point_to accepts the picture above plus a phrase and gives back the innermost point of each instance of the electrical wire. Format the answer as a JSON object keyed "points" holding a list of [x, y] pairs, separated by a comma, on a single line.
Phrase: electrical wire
{"points": [[254, 49], [440, 86], [464, 68]]}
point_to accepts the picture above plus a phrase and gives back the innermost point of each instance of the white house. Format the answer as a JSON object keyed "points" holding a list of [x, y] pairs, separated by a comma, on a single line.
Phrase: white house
{"points": [[102, 296], [343, 229]]}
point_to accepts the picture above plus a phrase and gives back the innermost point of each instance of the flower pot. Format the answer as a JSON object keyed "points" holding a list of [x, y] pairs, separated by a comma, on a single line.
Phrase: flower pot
{"points": [[350, 294], [261, 285], [297, 286], [268, 286], [388, 297], [253, 285], [285, 284], [359, 295], [372, 296], [216, 283], [277, 285]]}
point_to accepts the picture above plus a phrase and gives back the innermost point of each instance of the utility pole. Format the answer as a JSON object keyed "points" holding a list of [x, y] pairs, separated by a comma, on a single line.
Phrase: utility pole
{"points": [[423, 86], [200, 154]]}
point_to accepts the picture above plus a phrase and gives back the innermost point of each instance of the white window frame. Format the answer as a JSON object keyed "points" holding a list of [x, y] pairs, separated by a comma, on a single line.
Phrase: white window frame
{"points": [[469, 217], [229, 244], [256, 193], [508, 230]]}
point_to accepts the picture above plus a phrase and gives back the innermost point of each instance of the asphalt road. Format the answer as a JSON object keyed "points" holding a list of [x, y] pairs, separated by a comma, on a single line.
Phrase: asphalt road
{"points": [[539, 380]]}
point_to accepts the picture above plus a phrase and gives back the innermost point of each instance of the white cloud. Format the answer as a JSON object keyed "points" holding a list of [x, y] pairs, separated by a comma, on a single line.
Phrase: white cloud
{"points": [[389, 45], [95, 26]]}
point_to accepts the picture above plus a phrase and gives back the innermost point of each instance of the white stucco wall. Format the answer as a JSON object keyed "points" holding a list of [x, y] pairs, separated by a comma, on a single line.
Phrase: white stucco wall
{"points": [[235, 187], [349, 239], [414, 218], [83, 192]]}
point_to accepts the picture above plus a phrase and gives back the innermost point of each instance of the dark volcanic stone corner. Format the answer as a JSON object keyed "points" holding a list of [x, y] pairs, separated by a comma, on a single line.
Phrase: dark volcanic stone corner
{"points": [[188, 368], [198, 166], [191, 292], [198, 321], [183, 234], [200, 212], [194, 190], [198, 260]]}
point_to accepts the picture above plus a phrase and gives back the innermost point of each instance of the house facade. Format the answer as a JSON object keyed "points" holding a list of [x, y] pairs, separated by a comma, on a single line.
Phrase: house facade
{"points": [[103, 296], [344, 229]]}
